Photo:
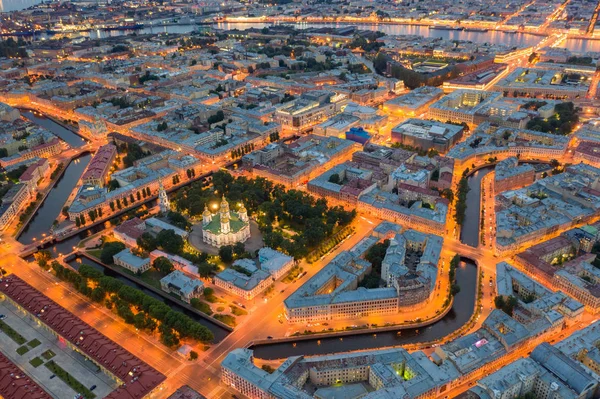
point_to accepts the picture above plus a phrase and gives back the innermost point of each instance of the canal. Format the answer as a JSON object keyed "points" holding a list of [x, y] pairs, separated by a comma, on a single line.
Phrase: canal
{"points": [[52, 206], [74, 140], [218, 332], [469, 233], [462, 310]]}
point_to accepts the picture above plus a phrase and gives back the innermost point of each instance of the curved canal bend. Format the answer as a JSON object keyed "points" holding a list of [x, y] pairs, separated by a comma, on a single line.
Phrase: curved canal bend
{"points": [[462, 308]]}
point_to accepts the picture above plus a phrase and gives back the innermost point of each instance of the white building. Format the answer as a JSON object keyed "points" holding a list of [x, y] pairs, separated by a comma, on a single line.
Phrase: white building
{"points": [[182, 285], [225, 227], [131, 262]]}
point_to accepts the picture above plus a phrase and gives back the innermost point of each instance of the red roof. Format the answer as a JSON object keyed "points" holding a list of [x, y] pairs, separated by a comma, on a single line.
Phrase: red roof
{"points": [[98, 164], [138, 378], [131, 228], [14, 384], [28, 174]]}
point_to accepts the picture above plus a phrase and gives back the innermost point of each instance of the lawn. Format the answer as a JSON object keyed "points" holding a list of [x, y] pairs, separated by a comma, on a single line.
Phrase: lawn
{"points": [[237, 311], [227, 319], [34, 343], [69, 380], [48, 354], [95, 253], [151, 277], [201, 306], [22, 350], [293, 273], [36, 362], [15, 336]]}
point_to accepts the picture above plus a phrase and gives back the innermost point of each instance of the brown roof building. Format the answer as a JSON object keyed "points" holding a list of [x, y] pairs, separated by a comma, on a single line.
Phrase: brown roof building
{"points": [[138, 378], [14, 384]]}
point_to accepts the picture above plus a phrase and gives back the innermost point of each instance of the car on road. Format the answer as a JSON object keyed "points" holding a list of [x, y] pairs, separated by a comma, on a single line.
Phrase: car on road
{"points": [[52, 376], [92, 387], [2, 316], [269, 337]]}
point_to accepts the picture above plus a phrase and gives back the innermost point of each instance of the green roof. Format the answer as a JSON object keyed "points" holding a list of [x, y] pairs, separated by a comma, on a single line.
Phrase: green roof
{"points": [[590, 229], [235, 223]]}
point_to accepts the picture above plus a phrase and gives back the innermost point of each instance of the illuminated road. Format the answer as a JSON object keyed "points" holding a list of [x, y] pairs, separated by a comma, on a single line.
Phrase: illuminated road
{"points": [[142, 345]]}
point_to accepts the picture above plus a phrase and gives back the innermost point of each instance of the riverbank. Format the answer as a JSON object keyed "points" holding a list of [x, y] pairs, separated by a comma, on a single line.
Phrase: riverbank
{"points": [[44, 196], [457, 317], [356, 331], [166, 297]]}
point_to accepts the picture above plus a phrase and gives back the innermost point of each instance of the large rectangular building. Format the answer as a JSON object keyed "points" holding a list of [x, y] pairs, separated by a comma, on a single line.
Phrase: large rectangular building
{"points": [[137, 378]]}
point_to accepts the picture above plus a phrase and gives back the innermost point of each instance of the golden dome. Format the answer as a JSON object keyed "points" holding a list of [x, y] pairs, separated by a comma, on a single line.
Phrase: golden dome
{"points": [[206, 212], [242, 208]]}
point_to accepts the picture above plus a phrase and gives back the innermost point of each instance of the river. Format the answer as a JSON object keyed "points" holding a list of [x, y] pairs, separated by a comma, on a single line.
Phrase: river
{"points": [[493, 37]]}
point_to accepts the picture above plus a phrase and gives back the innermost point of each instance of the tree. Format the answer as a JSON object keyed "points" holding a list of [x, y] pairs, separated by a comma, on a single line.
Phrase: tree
{"points": [[448, 194], [178, 220], [162, 126], [98, 294], [205, 269], [193, 355], [239, 248], [163, 265], [226, 253], [109, 250], [146, 242], [170, 241], [334, 178], [268, 368], [218, 117], [42, 258], [113, 185]]}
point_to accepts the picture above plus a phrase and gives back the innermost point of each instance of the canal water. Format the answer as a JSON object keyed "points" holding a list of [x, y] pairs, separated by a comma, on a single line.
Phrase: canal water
{"points": [[71, 138], [52, 206], [218, 332], [469, 233], [462, 310]]}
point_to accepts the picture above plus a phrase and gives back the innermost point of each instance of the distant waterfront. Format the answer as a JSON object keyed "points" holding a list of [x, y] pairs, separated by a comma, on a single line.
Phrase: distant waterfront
{"points": [[492, 37]]}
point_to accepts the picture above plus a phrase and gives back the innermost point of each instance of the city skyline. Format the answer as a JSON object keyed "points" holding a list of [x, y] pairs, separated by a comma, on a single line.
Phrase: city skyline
{"points": [[312, 199]]}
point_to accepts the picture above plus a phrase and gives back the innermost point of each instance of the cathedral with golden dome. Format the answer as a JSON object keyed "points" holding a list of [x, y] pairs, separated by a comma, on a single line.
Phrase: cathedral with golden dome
{"points": [[226, 227]]}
